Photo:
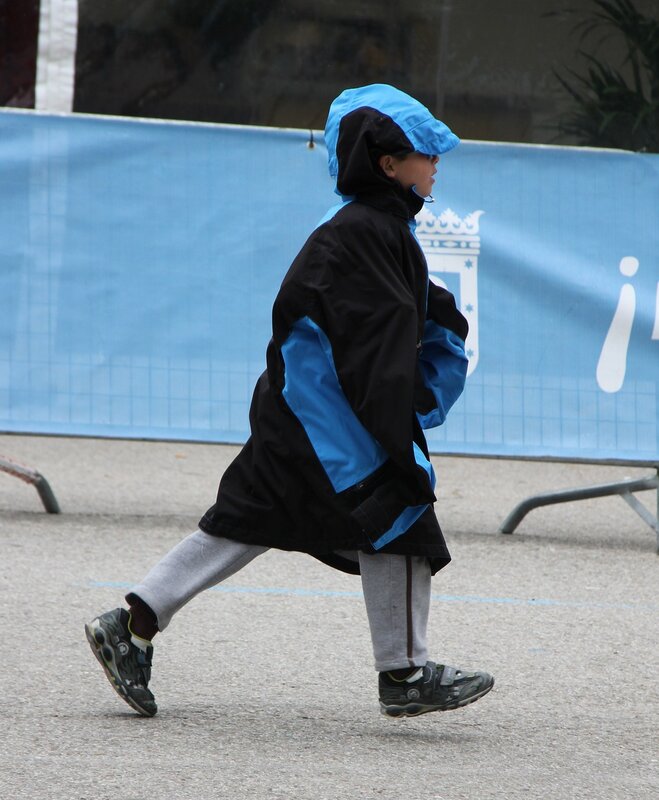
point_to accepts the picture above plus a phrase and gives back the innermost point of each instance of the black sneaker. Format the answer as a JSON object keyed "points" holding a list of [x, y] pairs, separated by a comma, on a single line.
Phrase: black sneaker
{"points": [[127, 667], [439, 688]]}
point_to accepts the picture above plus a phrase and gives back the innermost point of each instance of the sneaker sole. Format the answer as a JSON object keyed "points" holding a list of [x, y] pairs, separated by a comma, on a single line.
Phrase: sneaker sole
{"points": [[96, 639], [416, 709]]}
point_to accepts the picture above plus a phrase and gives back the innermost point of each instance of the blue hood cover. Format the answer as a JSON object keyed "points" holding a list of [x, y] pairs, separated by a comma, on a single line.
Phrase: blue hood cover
{"points": [[423, 132]]}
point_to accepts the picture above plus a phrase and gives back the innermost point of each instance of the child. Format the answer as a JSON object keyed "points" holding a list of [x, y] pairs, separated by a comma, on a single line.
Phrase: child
{"points": [[365, 353]]}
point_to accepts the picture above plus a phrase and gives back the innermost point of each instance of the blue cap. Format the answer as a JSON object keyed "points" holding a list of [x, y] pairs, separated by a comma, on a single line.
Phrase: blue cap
{"points": [[425, 133]]}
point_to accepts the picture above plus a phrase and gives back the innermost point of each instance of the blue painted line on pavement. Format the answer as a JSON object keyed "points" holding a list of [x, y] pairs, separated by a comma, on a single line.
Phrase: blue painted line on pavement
{"points": [[439, 598]]}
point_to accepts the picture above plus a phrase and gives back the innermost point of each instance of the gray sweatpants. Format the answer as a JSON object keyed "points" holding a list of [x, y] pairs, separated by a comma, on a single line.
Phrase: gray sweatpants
{"points": [[396, 591]]}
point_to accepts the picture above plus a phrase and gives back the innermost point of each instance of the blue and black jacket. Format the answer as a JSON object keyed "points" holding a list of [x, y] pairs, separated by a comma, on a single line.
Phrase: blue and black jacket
{"points": [[365, 354]]}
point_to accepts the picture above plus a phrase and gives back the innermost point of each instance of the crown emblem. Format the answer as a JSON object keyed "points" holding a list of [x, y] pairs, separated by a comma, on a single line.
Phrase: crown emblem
{"points": [[452, 245], [448, 231]]}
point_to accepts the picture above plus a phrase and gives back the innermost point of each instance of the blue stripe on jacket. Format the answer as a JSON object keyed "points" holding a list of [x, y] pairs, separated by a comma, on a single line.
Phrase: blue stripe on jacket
{"points": [[346, 450], [411, 514], [443, 364]]}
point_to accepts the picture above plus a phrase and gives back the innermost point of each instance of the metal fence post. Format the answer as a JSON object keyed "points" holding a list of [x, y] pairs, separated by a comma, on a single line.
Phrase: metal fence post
{"points": [[29, 475]]}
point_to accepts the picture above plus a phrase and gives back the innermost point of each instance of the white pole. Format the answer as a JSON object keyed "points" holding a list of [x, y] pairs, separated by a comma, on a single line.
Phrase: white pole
{"points": [[56, 55]]}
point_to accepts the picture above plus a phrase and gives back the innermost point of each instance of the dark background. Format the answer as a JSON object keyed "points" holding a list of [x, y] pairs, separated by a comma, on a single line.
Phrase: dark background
{"points": [[487, 67]]}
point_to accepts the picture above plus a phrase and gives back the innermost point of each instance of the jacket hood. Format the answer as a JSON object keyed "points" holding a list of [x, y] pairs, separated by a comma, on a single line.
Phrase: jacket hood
{"points": [[370, 121]]}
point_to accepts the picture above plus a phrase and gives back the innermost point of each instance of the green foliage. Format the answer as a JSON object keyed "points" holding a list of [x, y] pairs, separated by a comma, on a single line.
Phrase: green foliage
{"points": [[612, 109]]}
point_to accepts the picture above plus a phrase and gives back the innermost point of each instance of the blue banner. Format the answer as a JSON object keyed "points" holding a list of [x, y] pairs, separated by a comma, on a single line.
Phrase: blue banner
{"points": [[139, 262]]}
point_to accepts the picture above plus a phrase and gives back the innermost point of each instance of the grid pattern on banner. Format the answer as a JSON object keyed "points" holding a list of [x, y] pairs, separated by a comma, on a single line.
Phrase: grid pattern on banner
{"points": [[130, 397], [523, 414], [138, 273]]}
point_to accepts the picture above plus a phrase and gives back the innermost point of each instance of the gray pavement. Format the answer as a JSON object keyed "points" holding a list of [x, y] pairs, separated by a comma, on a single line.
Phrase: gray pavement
{"points": [[265, 685]]}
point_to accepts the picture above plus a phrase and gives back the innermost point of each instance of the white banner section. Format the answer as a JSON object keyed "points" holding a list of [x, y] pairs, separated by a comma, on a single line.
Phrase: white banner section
{"points": [[56, 55]]}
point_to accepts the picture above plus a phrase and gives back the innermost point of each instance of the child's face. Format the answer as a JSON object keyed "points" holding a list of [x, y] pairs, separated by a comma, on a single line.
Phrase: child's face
{"points": [[415, 170]]}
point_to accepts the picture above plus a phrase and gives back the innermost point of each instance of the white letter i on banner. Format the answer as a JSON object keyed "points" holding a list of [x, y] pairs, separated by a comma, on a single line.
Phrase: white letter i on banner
{"points": [[655, 330], [612, 363]]}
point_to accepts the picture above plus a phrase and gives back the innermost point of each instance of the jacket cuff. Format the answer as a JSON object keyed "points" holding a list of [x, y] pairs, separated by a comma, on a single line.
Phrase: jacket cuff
{"points": [[372, 517]]}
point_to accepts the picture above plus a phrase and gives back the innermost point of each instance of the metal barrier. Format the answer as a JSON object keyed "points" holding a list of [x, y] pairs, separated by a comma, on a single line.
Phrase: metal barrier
{"points": [[34, 478], [625, 489]]}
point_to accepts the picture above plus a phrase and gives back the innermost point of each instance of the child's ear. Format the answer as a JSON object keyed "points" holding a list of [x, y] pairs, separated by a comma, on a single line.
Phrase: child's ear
{"points": [[387, 165]]}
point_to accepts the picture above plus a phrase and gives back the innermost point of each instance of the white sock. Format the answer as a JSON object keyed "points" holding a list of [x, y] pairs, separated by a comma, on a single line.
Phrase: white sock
{"points": [[415, 676], [139, 642]]}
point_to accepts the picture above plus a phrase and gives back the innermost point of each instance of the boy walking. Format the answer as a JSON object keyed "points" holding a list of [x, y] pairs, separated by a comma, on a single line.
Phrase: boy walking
{"points": [[365, 353]]}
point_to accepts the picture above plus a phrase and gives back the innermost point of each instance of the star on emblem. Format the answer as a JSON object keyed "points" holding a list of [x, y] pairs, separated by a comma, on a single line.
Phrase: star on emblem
{"points": [[469, 263]]}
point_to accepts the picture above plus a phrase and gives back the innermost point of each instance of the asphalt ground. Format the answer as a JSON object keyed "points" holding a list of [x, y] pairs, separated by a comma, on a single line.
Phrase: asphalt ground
{"points": [[265, 684]]}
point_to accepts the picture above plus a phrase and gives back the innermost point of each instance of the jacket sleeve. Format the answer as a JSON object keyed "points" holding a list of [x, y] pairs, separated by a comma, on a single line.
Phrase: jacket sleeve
{"points": [[442, 359]]}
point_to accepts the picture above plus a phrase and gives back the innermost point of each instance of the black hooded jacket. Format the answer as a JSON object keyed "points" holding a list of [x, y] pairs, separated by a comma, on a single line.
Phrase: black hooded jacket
{"points": [[365, 352]]}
